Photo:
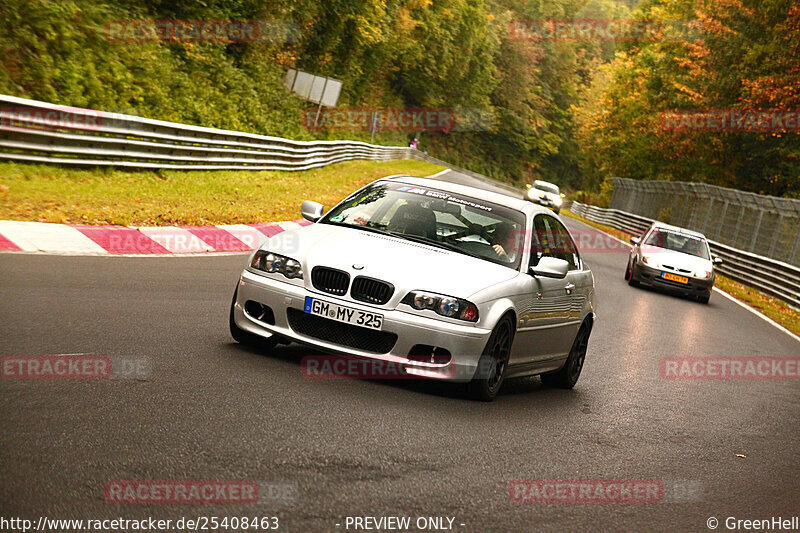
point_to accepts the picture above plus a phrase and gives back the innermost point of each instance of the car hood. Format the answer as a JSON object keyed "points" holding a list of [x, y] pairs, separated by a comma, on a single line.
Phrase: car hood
{"points": [[406, 265], [675, 259], [538, 193]]}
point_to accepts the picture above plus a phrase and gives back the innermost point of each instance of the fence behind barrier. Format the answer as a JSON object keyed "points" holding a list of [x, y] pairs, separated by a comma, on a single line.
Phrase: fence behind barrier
{"points": [[772, 277], [764, 225]]}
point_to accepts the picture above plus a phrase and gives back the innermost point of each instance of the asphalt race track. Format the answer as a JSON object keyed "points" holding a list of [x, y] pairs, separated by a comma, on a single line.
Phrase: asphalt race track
{"points": [[213, 410]]}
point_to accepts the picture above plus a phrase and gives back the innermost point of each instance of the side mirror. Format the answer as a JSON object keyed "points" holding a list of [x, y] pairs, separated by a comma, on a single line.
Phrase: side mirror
{"points": [[563, 195], [528, 185], [312, 211], [550, 267], [636, 240], [716, 260]]}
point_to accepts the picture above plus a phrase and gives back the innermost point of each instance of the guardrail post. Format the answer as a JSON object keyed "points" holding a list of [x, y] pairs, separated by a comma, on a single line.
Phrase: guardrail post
{"points": [[738, 225], [776, 235], [633, 197], [704, 229], [793, 256], [756, 230], [686, 219], [718, 233]]}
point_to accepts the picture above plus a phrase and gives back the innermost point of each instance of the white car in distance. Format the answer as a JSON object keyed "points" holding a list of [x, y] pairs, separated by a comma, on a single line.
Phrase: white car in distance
{"points": [[546, 194]]}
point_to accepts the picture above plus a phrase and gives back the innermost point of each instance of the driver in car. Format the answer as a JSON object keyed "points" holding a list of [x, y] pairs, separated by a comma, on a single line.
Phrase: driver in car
{"points": [[503, 242]]}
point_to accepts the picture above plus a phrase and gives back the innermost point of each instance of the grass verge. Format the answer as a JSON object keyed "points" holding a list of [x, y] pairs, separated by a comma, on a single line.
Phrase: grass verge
{"points": [[43, 193], [774, 308]]}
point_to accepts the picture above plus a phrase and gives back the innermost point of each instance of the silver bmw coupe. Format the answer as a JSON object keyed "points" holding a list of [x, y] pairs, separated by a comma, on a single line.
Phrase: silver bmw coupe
{"points": [[445, 281]]}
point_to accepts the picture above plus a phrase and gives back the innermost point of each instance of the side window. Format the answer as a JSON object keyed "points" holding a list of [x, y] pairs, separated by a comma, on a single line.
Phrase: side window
{"points": [[541, 239], [565, 246], [553, 241]]}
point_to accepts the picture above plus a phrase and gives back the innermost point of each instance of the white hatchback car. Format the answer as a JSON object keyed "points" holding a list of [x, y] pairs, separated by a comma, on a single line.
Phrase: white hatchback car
{"points": [[546, 194], [674, 259], [444, 280]]}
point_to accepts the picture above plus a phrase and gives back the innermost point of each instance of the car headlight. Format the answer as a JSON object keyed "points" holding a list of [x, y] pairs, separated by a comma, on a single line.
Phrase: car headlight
{"points": [[443, 305], [559, 200], [650, 261], [531, 193], [702, 274], [275, 263]]}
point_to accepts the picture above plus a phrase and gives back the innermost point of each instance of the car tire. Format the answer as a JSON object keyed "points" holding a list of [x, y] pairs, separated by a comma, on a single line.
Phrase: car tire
{"points": [[633, 281], [568, 375], [628, 270], [245, 337], [557, 210], [704, 299], [493, 362]]}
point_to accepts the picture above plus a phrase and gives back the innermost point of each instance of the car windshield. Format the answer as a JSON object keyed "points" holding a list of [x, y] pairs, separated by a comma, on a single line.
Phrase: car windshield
{"points": [[678, 242], [459, 223], [546, 187]]}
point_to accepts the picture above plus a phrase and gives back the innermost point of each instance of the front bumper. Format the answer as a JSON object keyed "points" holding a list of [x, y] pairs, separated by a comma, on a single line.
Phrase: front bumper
{"points": [[544, 202], [650, 276], [465, 343]]}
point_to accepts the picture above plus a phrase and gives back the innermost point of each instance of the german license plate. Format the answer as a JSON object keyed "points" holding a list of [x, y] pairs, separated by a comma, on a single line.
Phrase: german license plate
{"points": [[340, 313], [674, 277]]}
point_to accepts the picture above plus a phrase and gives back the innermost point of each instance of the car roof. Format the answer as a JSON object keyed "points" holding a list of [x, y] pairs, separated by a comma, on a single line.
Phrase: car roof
{"points": [[495, 197], [542, 182], [663, 225]]}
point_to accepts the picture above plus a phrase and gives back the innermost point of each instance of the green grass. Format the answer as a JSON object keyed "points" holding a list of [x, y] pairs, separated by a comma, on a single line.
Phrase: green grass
{"points": [[43, 193], [774, 308]]}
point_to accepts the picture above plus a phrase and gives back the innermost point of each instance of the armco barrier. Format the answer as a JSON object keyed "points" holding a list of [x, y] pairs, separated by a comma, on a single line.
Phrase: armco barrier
{"points": [[772, 277], [764, 225], [40, 132]]}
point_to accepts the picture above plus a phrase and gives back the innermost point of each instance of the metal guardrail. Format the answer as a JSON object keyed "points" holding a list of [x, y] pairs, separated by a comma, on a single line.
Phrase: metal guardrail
{"points": [[763, 225], [40, 132], [770, 276]]}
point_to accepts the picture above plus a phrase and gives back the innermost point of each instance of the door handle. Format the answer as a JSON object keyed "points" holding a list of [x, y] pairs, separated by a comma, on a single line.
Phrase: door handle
{"points": [[569, 287]]}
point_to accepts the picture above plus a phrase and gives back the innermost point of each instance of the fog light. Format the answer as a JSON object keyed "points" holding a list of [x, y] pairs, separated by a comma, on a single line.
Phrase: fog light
{"points": [[423, 353], [260, 312]]}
